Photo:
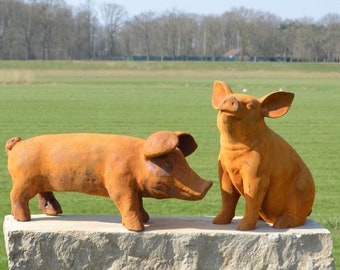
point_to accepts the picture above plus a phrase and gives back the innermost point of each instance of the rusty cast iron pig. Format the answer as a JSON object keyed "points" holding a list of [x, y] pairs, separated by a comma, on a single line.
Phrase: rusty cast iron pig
{"points": [[257, 163], [120, 167]]}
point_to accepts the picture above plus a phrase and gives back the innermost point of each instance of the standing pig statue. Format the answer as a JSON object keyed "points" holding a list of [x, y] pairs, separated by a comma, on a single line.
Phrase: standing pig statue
{"points": [[120, 167], [257, 163]]}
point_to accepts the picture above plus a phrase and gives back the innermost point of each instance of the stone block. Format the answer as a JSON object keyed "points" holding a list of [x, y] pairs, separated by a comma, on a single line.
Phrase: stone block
{"points": [[101, 242]]}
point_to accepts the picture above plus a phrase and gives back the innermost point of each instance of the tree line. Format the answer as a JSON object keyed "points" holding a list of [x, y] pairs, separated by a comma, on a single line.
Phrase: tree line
{"points": [[53, 30]]}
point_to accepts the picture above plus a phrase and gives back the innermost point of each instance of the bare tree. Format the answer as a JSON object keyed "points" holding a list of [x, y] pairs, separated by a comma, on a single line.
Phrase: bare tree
{"points": [[143, 24], [63, 32], [28, 27], [85, 27], [230, 38], [114, 18], [176, 34], [88, 25], [212, 33], [308, 41], [242, 21], [8, 28], [171, 34], [126, 34], [331, 23], [162, 32], [317, 39], [49, 29], [188, 30], [265, 40], [48, 20], [288, 35]]}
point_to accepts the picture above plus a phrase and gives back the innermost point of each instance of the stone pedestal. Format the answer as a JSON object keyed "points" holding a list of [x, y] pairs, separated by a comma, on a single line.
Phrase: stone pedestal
{"points": [[101, 242]]}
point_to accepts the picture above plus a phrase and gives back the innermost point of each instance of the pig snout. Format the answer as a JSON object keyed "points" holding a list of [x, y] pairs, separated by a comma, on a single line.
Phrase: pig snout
{"points": [[230, 104], [197, 190], [204, 188]]}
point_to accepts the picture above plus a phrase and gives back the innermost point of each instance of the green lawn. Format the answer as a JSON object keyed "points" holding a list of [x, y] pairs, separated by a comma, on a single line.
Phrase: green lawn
{"points": [[141, 98]]}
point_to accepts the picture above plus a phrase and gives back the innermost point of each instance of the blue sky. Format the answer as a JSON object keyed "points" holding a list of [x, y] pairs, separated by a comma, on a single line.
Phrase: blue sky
{"points": [[286, 9]]}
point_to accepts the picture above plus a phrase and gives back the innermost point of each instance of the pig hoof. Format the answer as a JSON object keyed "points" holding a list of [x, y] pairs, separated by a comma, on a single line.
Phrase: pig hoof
{"points": [[52, 211], [245, 226], [135, 227], [145, 216], [22, 218], [49, 204], [133, 224], [220, 219], [20, 212]]}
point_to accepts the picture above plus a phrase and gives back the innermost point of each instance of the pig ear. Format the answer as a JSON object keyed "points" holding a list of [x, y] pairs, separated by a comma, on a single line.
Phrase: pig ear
{"points": [[160, 143], [220, 91], [187, 143], [276, 104]]}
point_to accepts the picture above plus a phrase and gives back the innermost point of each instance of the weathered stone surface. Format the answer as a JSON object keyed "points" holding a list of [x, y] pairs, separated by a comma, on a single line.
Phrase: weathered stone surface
{"points": [[101, 242]]}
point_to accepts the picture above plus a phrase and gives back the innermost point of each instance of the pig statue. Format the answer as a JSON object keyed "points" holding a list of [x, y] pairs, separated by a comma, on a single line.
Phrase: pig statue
{"points": [[257, 163], [120, 167]]}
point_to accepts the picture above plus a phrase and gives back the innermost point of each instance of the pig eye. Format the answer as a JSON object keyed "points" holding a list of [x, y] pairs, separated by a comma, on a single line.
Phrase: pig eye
{"points": [[251, 105], [164, 166]]}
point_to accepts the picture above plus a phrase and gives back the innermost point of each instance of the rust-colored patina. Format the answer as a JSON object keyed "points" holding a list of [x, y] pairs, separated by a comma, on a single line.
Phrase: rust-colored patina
{"points": [[257, 163], [120, 167]]}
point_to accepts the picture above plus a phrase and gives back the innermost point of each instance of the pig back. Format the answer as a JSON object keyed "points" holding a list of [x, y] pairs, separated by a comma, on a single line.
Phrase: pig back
{"points": [[71, 162]]}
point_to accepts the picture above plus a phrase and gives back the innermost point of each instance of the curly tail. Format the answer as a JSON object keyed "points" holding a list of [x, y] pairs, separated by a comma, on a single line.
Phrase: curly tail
{"points": [[11, 143]]}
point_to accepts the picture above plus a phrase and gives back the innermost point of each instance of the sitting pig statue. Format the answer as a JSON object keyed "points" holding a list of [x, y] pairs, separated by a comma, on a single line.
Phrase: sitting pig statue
{"points": [[120, 167], [257, 163]]}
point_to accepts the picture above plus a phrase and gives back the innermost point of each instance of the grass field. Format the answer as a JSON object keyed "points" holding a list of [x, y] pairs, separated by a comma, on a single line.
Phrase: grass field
{"points": [[141, 98]]}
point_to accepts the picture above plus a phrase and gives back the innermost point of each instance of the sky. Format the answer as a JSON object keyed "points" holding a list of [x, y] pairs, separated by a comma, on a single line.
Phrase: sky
{"points": [[285, 9]]}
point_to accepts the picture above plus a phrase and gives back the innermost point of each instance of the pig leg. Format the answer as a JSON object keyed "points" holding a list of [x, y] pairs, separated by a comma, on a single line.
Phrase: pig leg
{"points": [[129, 207], [288, 221], [19, 201], [145, 215], [49, 204], [251, 216], [254, 193], [299, 202], [230, 197]]}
